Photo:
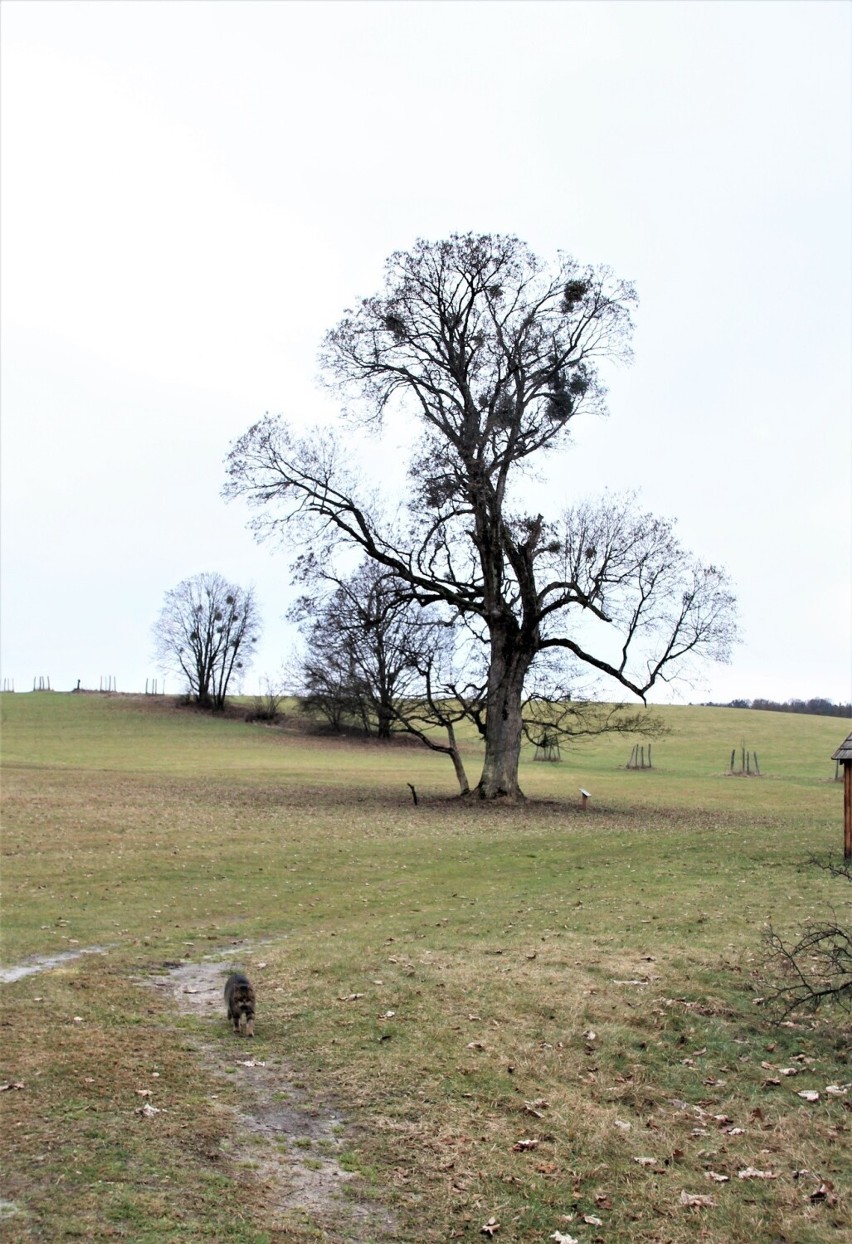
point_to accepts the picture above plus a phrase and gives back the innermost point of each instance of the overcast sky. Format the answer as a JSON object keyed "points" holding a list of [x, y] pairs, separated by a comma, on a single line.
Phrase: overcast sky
{"points": [[192, 193]]}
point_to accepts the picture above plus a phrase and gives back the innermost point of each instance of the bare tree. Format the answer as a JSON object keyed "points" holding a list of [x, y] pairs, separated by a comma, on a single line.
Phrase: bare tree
{"points": [[365, 642], [268, 704], [206, 631], [494, 354]]}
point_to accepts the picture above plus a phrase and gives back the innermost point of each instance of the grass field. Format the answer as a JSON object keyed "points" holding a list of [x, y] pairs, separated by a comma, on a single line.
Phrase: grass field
{"points": [[535, 1021]]}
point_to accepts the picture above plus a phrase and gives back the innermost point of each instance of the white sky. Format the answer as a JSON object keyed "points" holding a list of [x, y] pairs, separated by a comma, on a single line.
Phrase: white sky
{"points": [[192, 193]]}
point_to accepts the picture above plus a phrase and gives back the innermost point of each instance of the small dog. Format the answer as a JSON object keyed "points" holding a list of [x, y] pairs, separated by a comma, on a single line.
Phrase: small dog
{"points": [[240, 1000]]}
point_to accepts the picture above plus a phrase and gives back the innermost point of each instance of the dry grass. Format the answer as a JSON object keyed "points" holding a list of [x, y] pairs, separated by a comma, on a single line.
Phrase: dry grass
{"points": [[434, 972]]}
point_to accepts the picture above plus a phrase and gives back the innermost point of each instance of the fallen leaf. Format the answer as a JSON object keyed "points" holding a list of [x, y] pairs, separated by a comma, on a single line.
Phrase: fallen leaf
{"points": [[718, 1179], [593, 1220], [250, 1062], [350, 997], [590, 1035], [808, 1095], [646, 1161], [475, 1045], [148, 1110], [561, 1238], [144, 1092], [750, 1172], [490, 1228], [522, 1146], [694, 1199], [602, 1201], [16, 1084], [790, 1071], [622, 1125], [837, 1090]]}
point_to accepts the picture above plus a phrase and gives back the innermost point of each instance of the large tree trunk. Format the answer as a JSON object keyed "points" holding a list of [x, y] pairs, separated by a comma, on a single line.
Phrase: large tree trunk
{"points": [[503, 726]]}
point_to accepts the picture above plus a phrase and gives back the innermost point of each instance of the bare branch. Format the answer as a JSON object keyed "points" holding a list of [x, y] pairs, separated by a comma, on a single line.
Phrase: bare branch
{"points": [[814, 969]]}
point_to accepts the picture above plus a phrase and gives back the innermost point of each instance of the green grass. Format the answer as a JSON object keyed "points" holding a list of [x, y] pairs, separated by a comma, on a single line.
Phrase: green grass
{"points": [[497, 937]]}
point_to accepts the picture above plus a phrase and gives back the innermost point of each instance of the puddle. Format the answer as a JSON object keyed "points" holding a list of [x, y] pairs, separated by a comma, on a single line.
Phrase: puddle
{"points": [[43, 963], [291, 1138]]}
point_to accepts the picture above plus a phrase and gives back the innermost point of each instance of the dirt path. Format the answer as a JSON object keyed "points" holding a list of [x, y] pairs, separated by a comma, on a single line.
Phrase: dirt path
{"points": [[290, 1138], [43, 963]]}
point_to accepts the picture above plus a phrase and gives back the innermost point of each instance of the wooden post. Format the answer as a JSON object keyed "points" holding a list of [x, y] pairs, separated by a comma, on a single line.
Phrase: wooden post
{"points": [[585, 796], [847, 809]]}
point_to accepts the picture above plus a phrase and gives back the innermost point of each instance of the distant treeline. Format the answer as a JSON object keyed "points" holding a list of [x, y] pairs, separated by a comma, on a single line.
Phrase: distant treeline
{"points": [[817, 707]]}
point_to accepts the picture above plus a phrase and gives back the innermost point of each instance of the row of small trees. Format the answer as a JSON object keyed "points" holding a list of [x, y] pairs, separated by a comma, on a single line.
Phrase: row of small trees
{"points": [[818, 706]]}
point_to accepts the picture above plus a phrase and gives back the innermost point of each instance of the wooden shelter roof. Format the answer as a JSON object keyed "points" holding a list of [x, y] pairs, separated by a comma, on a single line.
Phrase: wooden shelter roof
{"points": [[844, 751]]}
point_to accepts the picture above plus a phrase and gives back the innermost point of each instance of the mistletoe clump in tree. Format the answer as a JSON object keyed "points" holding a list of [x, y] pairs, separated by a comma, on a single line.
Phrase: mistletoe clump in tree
{"points": [[494, 354]]}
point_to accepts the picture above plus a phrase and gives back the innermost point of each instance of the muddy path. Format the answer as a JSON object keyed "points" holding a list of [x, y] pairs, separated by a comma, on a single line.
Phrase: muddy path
{"points": [[44, 963], [290, 1138]]}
